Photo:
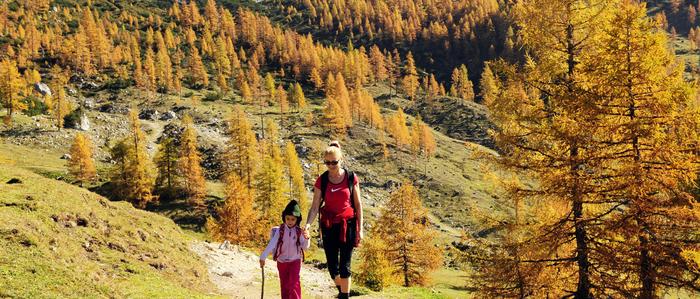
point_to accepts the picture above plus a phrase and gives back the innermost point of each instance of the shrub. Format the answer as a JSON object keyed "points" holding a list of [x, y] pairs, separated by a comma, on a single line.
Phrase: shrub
{"points": [[375, 270], [212, 96], [72, 120], [35, 106]]}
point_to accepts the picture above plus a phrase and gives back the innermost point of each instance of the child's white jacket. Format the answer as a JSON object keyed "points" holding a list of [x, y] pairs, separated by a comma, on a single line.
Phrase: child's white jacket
{"points": [[289, 250]]}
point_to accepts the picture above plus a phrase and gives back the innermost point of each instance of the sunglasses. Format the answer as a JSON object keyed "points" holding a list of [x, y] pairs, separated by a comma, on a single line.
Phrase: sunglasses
{"points": [[334, 162]]}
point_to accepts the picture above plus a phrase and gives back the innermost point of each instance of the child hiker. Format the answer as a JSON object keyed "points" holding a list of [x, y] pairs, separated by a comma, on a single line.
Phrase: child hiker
{"points": [[287, 245]]}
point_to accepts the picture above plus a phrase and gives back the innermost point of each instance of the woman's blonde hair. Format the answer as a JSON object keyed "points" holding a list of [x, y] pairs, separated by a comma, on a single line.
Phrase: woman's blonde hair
{"points": [[334, 148]]}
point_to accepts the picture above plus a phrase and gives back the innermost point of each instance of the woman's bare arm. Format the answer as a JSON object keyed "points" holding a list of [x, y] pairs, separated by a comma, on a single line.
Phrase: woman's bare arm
{"points": [[313, 212], [358, 206]]}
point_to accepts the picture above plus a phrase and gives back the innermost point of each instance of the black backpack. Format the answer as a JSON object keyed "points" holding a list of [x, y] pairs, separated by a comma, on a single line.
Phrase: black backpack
{"points": [[324, 184]]}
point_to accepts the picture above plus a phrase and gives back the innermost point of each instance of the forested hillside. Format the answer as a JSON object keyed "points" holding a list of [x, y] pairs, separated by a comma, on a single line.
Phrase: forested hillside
{"points": [[504, 148], [442, 35]]}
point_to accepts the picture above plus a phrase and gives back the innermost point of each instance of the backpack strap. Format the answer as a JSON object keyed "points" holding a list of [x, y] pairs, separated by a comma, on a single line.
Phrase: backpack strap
{"points": [[299, 235], [324, 185], [280, 240], [351, 185]]}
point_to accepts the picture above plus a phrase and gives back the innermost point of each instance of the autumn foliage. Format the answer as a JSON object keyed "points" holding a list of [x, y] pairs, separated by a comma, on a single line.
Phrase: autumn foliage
{"points": [[603, 122], [408, 239], [81, 163]]}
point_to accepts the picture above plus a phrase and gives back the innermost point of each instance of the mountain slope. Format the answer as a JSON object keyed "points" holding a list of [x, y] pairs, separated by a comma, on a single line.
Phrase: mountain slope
{"points": [[59, 240]]}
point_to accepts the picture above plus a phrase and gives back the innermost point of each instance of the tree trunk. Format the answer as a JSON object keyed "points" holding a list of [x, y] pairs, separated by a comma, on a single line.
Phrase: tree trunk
{"points": [[405, 266], [646, 268], [584, 285]]}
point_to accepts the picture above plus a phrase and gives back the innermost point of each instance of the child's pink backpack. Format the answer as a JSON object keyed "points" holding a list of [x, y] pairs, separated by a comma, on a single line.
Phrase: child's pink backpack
{"points": [[280, 241]]}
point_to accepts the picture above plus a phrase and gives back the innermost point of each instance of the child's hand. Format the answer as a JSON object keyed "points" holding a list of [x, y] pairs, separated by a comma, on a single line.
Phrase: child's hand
{"points": [[262, 263], [306, 234]]}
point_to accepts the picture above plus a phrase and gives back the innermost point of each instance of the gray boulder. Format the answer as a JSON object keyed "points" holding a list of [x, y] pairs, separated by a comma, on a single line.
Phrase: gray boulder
{"points": [[89, 103], [113, 109], [391, 184], [168, 115], [149, 114], [84, 123], [43, 89], [302, 151]]}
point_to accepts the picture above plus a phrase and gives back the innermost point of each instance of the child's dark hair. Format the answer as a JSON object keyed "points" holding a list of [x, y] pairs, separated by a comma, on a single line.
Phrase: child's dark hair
{"points": [[292, 209]]}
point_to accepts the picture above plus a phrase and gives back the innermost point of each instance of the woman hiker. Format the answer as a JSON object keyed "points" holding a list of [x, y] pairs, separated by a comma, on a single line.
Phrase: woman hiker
{"points": [[337, 202]]}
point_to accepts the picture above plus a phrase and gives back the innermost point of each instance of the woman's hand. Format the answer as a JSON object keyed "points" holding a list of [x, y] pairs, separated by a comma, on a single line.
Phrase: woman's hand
{"points": [[360, 237], [306, 229], [306, 234], [262, 263]]}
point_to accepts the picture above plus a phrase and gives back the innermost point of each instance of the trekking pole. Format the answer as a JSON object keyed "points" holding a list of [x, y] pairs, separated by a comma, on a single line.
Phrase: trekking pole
{"points": [[262, 291]]}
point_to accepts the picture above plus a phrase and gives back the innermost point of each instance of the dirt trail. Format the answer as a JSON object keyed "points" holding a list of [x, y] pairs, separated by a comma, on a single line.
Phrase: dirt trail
{"points": [[237, 273]]}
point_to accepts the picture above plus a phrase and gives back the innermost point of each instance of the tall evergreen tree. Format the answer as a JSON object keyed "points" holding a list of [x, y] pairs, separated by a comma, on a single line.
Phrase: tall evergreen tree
{"points": [[427, 143], [648, 150], [296, 176], [198, 73], [246, 93], [415, 142], [488, 86], [298, 98], [81, 163], [378, 63], [270, 86], [462, 87], [61, 106], [342, 96], [11, 87], [166, 162], [242, 151], [404, 225], [189, 164], [397, 127], [316, 78], [409, 82], [119, 153], [237, 216], [550, 139], [149, 68], [139, 178], [334, 120], [164, 68], [270, 191]]}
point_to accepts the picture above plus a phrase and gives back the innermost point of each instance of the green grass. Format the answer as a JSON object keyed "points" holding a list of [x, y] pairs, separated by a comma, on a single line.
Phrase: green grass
{"points": [[681, 46], [36, 159], [445, 283], [59, 240]]}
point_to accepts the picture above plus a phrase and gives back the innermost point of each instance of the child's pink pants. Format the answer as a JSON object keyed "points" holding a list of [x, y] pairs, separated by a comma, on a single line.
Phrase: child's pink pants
{"points": [[289, 279]]}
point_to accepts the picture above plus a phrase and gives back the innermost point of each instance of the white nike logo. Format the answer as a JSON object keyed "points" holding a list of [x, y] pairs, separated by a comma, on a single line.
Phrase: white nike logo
{"points": [[333, 190]]}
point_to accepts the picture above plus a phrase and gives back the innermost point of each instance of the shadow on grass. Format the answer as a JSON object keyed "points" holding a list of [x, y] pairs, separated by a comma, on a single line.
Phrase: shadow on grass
{"points": [[185, 215], [174, 207], [463, 288], [22, 132]]}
